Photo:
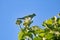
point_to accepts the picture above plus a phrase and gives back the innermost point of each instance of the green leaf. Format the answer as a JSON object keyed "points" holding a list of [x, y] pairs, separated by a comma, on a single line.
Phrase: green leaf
{"points": [[42, 34], [58, 20], [37, 38], [49, 36], [20, 35], [49, 21], [18, 22]]}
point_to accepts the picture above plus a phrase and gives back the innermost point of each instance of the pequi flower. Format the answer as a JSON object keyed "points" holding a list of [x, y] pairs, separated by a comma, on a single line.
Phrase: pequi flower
{"points": [[27, 21]]}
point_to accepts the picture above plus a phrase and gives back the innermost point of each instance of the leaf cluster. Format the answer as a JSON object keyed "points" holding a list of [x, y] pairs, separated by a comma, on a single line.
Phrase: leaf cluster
{"points": [[51, 29]]}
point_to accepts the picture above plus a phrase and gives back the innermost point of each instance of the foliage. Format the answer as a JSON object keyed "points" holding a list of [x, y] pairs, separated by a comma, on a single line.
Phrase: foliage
{"points": [[51, 29]]}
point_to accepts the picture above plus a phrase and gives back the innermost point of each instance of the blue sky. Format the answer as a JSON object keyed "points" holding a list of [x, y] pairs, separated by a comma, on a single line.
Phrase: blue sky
{"points": [[10, 10]]}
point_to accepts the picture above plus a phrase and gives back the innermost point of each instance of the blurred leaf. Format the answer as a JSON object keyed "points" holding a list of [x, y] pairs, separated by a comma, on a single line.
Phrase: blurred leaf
{"points": [[18, 22], [42, 34], [59, 29], [54, 18], [59, 14], [58, 21], [20, 35], [49, 36], [49, 21], [37, 38]]}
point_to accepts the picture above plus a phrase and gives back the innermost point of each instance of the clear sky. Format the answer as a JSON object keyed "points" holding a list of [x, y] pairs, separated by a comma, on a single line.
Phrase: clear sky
{"points": [[10, 10]]}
